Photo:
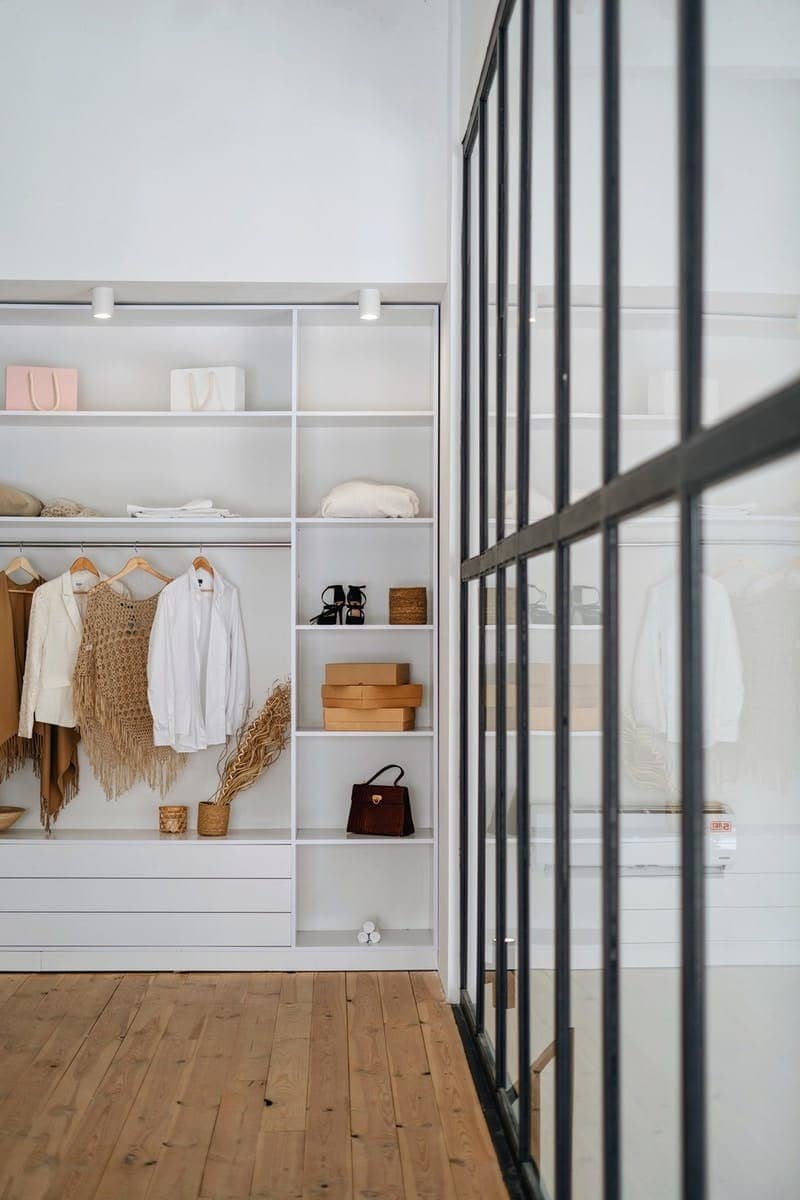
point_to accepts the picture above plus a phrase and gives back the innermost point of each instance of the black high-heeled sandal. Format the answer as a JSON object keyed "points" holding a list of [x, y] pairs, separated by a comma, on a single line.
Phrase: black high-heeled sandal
{"points": [[332, 610], [356, 603]]}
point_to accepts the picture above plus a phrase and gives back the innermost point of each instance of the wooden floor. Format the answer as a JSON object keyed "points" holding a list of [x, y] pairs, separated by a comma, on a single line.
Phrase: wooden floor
{"points": [[123, 1087]]}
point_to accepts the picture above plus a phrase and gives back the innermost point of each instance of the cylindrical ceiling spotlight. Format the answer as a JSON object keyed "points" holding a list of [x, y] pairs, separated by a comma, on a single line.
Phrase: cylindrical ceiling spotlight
{"points": [[102, 303], [369, 304]]}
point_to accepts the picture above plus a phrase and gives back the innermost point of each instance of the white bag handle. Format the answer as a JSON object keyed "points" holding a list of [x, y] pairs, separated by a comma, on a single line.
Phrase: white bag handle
{"points": [[56, 394], [194, 403]]}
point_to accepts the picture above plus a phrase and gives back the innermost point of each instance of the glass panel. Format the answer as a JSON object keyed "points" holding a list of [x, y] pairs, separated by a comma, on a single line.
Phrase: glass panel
{"points": [[586, 249], [472, 790], [474, 335], [649, 230], [751, 702], [586, 884], [752, 192], [487, 832], [541, 482], [491, 312], [541, 655], [649, 924]]}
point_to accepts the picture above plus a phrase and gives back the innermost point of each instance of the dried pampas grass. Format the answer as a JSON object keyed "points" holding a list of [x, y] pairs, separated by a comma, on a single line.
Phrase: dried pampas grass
{"points": [[258, 745]]}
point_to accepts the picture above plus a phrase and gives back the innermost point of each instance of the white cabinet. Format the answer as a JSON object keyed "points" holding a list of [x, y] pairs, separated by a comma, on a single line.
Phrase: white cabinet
{"points": [[328, 398]]}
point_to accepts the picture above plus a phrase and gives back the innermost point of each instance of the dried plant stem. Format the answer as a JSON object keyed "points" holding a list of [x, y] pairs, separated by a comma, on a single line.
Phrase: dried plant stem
{"points": [[258, 745]]}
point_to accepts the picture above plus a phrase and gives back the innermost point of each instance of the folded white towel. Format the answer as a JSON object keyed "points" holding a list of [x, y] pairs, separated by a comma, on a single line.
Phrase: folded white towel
{"points": [[360, 498]]}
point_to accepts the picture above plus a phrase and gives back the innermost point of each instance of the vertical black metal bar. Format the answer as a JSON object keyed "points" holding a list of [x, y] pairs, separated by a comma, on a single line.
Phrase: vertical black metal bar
{"points": [[691, 116], [562, 251], [463, 637], [610, 609], [562, 897], [523, 474], [563, 1156], [501, 955], [483, 538]]}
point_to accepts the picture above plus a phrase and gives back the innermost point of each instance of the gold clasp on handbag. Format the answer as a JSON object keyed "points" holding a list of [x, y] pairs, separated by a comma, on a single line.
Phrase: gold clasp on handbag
{"points": [[376, 797]]}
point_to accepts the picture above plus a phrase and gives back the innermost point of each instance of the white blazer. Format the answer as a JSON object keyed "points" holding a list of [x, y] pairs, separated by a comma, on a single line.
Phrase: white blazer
{"points": [[197, 674], [54, 635]]}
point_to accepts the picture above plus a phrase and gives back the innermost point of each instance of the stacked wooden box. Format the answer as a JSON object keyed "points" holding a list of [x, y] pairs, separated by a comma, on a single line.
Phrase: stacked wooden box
{"points": [[376, 697]]}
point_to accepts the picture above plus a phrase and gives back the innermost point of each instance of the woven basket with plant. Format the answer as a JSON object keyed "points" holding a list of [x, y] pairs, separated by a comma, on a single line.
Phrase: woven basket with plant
{"points": [[258, 745]]}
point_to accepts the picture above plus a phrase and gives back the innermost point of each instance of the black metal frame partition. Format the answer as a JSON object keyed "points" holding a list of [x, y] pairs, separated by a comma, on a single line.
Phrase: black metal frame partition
{"points": [[765, 431]]}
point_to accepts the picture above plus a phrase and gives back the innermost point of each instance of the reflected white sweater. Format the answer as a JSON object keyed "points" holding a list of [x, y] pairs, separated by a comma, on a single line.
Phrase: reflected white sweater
{"points": [[655, 687]]}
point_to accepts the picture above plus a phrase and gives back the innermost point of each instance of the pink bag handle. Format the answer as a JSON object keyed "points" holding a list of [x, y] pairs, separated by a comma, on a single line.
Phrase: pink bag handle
{"points": [[32, 393]]}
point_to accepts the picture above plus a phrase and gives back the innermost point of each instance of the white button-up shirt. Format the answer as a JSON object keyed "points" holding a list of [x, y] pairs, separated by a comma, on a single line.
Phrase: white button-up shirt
{"points": [[197, 674]]}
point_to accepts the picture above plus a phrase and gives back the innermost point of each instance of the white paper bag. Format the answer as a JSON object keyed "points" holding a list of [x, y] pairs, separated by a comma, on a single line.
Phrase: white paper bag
{"points": [[207, 389]]}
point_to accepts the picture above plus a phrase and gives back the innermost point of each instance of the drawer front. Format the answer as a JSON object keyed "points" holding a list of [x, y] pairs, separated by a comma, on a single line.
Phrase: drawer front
{"points": [[144, 929], [140, 860], [127, 895]]}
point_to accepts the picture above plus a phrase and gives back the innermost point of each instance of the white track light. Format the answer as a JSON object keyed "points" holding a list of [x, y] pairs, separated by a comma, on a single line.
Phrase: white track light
{"points": [[369, 304], [102, 303]]}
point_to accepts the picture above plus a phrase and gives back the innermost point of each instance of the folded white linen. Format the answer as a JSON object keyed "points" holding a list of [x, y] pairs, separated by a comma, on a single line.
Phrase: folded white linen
{"points": [[361, 498], [193, 509]]}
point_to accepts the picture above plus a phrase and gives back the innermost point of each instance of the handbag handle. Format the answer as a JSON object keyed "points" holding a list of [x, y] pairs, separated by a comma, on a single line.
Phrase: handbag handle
{"points": [[389, 767], [194, 403], [56, 394]]}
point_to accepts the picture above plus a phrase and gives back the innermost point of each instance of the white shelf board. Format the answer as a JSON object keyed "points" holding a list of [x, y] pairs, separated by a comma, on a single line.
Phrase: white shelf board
{"points": [[338, 939], [131, 531], [361, 733], [365, 628], [385, 522], [240, 836], [120, 419], [336, 837], [365, 418]]}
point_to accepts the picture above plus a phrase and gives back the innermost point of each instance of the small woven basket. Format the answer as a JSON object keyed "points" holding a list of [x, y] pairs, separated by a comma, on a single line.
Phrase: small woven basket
{"points": [[212, 819], [173, 818], [408, 606]]}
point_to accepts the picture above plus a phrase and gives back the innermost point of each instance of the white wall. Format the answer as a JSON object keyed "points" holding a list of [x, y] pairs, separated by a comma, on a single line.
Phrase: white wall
{"points": [[240, 140]]}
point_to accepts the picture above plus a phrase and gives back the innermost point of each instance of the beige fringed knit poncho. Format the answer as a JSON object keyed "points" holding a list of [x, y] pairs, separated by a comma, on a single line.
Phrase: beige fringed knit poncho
{"points": [[110, 695]]}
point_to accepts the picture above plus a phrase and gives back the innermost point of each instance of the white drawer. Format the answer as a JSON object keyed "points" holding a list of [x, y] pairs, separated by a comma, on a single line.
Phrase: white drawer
{"points": [[90, 858], [127, 895], [144, 929]]}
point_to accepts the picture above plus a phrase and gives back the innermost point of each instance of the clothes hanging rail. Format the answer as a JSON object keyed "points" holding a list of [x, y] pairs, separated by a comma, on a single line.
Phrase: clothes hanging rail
{"points": [[133, 543]]}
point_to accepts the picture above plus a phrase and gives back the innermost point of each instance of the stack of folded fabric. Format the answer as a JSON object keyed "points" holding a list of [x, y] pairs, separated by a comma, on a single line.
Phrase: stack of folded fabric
{"points": [[192, 510], [370, 696]]}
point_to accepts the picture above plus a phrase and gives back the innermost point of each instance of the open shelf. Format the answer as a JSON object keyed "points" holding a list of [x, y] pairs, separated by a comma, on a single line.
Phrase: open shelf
{"points": [[368, 418], [87, 419], [244, 836], [335, 837], [361, 733], [340, 939], [387, 522], [350, 629]]}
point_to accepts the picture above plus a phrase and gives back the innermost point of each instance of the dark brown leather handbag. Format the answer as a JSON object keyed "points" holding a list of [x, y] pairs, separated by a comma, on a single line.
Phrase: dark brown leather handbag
{"points": [[381, 809]]}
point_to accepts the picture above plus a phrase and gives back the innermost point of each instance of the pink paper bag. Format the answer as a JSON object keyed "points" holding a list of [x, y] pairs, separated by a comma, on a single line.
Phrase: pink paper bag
{"points": [[42, 389]]}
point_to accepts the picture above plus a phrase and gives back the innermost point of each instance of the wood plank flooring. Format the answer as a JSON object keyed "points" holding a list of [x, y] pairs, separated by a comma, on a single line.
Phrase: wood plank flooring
{"points": [[224, 1087]]}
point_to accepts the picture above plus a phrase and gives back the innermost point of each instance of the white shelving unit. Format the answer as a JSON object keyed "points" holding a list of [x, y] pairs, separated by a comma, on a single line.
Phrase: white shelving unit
{"points": [[329, 398]]}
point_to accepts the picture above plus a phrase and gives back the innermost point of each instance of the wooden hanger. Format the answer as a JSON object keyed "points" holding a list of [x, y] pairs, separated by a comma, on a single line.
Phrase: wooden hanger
{"points": [[201, 563], [137, 563], [21, 563], [84, 564]]}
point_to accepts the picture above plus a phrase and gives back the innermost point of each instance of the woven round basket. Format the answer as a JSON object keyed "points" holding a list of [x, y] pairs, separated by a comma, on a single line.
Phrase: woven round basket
{"points": [[212, 819], [173, 818], [408, 606]]}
